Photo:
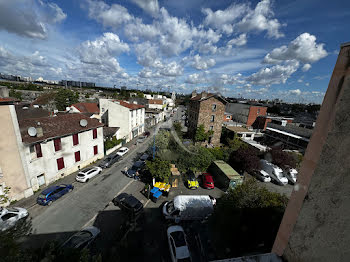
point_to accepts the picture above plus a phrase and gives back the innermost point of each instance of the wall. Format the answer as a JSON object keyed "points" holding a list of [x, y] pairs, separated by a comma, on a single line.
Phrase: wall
{"points": [[239, 111], [204, 117], [254, 112], [10, 159], [47, 164]]}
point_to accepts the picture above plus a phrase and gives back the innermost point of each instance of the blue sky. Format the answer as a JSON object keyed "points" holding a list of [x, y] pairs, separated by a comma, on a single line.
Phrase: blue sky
{"points": [[254, 49]]}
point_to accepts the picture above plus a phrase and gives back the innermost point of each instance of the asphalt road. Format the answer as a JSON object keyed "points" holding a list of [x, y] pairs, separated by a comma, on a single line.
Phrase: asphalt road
{"points": [[80, 208]]}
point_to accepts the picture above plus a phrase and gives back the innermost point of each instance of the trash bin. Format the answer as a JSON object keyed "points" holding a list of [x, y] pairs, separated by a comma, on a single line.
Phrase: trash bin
{"points": [[154, 190], [156, 196]]}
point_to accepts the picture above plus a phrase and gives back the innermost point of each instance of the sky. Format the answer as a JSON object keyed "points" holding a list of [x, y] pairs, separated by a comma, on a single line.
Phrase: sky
{"points": [[264, 49]]}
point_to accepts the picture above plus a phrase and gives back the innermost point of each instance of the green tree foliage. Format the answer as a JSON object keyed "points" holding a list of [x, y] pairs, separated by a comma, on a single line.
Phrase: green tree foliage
{"points": [[159, 169], [198, 160], [244, 159], [177, 126], [201, 135], [65, 98], [4, 197], [15, 94], [162, 140], [247, 220], [281, 158], [112, 142], [218, 152]]}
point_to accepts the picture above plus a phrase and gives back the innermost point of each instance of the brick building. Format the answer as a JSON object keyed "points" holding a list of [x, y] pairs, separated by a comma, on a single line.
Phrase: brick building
{"points": [[208, 110], [245, 113]]}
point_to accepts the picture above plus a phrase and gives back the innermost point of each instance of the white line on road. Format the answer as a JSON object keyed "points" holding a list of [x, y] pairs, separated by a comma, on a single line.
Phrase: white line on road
{"points": [[147, 202]]}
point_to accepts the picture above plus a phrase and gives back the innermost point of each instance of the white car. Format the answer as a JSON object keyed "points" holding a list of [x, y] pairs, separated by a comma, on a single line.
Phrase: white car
{"points": [[82, 239], [178, 244], [291, 175], [262, 176], [87, 173], [10, 216], [123, 151]]}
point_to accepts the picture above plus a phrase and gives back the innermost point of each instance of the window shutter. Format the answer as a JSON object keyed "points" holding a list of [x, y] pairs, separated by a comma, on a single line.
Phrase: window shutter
{"points": [[95, 150], [94, 133], [77, 156], [57, 143], [75, 139], [60, 163], [38, 150]]}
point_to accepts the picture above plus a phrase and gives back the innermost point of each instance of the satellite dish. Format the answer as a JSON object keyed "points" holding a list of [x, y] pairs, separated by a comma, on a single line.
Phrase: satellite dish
{"points": [[83, 122], [32, 131]]}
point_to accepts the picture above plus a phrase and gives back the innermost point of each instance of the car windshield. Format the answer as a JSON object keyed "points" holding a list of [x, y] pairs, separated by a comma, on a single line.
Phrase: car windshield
{"points": [[42, 196], [78, 239], [131, 201], [179, 238], [85, 170], [11, 209]]}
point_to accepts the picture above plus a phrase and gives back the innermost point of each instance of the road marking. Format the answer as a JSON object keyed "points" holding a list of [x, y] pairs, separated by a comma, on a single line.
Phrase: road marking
{"points": [[149, 200]]}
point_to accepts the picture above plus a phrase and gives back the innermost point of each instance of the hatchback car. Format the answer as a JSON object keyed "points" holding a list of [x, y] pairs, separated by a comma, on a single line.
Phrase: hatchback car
{"points": [[53, 193], [109, 161], [178, 245], [141, 139], [85, 175], [128, 203], [136, 167], [144, 157], [192, 182], [10, 216], [123, 151], [208, 181], [82, 239]]}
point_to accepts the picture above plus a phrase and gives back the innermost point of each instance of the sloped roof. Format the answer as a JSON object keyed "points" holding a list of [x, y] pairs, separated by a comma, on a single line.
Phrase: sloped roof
{"points": [[58, 126], [30, 112], [209, 95], [110, 131], [91, 108], [155, 102], [129, 105]]}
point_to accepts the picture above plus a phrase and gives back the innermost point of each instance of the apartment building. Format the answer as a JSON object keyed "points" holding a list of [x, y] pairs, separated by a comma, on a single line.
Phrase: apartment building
{"points": [[245, 113]]}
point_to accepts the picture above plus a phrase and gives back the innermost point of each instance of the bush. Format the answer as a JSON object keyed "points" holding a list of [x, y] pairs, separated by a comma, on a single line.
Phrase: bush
{"points": [[112, 143], [159, 169], [244, 159]]}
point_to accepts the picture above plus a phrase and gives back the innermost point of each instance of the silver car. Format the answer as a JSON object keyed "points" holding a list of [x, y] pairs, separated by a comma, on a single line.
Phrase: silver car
{"points": [[82, 239], [10, 216]]}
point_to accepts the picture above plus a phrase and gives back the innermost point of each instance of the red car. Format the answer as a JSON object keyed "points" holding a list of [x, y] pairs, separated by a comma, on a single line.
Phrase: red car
{"points": [[208, 181]]}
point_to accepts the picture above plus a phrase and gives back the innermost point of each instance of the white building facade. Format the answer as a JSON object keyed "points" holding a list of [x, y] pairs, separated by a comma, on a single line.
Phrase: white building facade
{"points": [[129, 117]]}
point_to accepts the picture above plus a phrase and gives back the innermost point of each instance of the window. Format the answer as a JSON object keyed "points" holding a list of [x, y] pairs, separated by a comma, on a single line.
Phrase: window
{"points": [[211, 128], [213, 107], [75, 139], [95, 150], [94, 133], [8, 216], [57, 144], [212, 118], [77, 156], [228, 117], [35, 151], [60, 163]]}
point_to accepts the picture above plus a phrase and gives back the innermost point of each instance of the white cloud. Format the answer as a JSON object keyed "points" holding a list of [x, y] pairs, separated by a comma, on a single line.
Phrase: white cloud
{"points": [[304, 49], [200, 63], [223, 19], [307, 84], [239, 41], [150, 6], [295, 92], [306, 67], [260, 19], [274, 75], [109, 15], [29, 19], [137, 31], [148, 55], [195, 79], [300, 80], [172, 69]]}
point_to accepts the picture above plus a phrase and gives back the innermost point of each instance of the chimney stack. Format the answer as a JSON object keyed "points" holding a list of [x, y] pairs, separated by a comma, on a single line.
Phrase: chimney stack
{"points": [[194, 93], [203, 94]]}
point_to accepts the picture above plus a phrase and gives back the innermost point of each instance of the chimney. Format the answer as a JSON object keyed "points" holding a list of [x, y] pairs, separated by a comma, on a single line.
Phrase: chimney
{"points": [[39, 131], [194, 93], [203, 94]]}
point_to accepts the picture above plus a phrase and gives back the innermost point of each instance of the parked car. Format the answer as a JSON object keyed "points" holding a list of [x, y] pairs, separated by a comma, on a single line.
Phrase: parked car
{"points": [[192, 182], [291, 175], [128, 203], [144, 157], [178, 245], [208, 181], [82, 239], [262, 176], [10, 216], [87, 173], [147, 134], [136, 167], [141, 139], [53, 193], [109, 161], [123, 151], [275, 172]]}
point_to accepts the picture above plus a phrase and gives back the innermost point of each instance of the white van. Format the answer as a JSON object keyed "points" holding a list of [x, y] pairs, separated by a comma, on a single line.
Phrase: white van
{"points": [[274, 172], [189, 208]]}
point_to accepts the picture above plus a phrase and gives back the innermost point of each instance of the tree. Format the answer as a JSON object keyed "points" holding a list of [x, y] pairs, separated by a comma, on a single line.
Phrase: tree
{"points": [[246, 220], [177, 126], [15, 94], [159, 169], [65, 98], [162, 140], [281, 158], [4, 197], [201, 135], [199, 160], [244, 159]]}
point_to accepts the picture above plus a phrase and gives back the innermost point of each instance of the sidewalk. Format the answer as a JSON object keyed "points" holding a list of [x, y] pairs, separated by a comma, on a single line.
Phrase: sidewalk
{"points": [[70, 179]]}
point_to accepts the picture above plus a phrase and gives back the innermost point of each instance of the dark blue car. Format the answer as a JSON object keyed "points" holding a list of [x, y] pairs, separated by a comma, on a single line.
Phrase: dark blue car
{"points": [[52, 193]]}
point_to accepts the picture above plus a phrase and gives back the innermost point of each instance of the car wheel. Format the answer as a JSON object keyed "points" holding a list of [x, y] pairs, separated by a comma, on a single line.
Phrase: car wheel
{"points": [[87, 180], [49, 203]]}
